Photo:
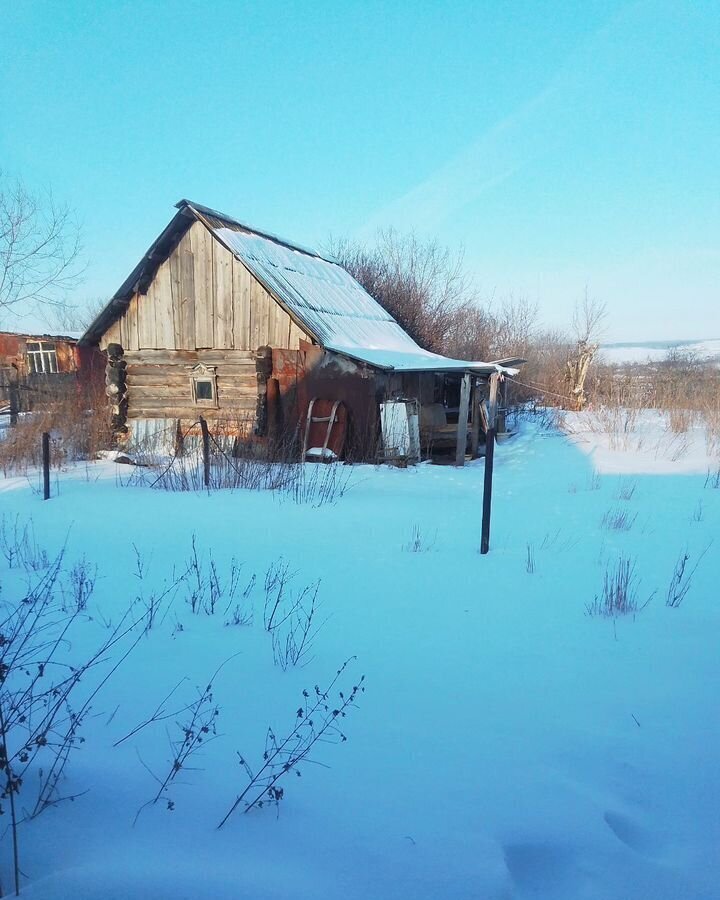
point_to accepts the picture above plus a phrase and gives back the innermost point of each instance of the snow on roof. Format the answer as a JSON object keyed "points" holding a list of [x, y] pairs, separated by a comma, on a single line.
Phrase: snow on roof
{"points": [[333, 306]]}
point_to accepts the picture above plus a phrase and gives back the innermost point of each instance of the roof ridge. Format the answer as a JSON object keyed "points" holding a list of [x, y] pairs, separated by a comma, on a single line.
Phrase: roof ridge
{"points": [[231, 220]]}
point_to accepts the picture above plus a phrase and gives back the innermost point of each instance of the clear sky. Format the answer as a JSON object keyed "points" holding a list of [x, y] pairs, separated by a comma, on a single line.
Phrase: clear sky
{"points": [[562, 144]]}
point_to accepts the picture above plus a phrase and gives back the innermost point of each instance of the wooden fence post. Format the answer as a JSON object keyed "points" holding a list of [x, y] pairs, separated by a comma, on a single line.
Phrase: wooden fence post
{"points": [[463, 420], [46, 465], [205, 451], [489, 457]]}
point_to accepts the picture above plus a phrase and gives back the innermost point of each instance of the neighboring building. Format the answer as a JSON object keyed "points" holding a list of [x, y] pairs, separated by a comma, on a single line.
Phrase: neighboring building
{"points": [[39, 354], [39, 368], [224, 321]]}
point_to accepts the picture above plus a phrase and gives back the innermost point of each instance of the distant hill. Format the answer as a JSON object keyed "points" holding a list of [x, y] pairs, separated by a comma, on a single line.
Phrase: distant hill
{"points": [[653, 351]]}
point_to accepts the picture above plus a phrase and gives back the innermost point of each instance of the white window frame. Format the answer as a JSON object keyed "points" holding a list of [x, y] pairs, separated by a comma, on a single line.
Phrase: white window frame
{"points": [[203, 373], [42, 358]]}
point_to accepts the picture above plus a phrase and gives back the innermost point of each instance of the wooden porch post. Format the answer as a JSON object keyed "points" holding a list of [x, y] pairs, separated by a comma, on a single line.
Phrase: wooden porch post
{"points": [[463, 420], [475, 433]]}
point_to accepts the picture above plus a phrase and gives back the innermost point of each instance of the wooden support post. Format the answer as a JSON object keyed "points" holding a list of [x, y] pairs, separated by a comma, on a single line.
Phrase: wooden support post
{"points": [[205, 451], [46, 465], [463, 420], [475, 433], [489, 457]]}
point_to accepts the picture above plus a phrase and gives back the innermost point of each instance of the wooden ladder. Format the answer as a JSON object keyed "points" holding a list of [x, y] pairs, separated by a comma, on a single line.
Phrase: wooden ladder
{"points": [[313, 420]]}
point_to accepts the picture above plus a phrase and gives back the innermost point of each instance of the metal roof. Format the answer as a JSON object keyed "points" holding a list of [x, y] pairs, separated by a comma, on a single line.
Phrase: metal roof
{"points": [[328, 301], [317, 292]]}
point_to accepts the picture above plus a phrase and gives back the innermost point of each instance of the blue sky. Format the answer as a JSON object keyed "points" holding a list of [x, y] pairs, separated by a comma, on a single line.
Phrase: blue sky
{"points": [[562, 145]]}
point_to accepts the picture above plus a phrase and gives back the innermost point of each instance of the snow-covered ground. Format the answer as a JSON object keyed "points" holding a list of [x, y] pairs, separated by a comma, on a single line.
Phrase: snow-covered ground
{"points": [[508, 744], [623, 353]]}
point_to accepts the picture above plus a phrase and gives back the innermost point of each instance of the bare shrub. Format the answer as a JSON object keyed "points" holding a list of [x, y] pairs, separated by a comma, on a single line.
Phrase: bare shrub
{"points": [[681, 579], [45, 696], [205, 587], [619, 595], [73, 413], [192, 732], [237, 461], [242, 612], [530, 559], [417, 543], [618, 423], [318, 484], [79, 585], [156, 603], [680, 420], [317, 721], [618, 520], [627, 490], [290, 617], [293, 635], [19, 546]]}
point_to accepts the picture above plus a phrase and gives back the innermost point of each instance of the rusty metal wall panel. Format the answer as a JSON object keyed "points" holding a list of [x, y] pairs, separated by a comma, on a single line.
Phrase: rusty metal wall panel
{"points": [[314, 372]]}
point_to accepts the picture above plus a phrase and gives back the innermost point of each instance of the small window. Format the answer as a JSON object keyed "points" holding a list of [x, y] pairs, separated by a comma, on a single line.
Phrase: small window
{"points": [[203, 390], [203, 381], [42, 358]]}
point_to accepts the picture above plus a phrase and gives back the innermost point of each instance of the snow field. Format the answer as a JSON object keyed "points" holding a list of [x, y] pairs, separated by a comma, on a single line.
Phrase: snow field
{"points": [[508, 745]]}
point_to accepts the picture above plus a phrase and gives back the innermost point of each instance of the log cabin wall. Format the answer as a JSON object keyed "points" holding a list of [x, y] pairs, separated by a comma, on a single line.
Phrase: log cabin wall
{"points": [[202, 306]]}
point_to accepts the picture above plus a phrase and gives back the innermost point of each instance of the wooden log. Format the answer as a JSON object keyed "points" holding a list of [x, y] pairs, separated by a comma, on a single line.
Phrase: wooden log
{"points": [[151, 409], [463, 420], [211, 357], [489, 458], [235, 382]]}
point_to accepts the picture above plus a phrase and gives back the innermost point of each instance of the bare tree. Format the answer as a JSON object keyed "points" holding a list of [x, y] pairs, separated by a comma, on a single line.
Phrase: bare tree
{"points": [[588, 321], [39, 248], [67, 319], [493, 331], [422, 284]]}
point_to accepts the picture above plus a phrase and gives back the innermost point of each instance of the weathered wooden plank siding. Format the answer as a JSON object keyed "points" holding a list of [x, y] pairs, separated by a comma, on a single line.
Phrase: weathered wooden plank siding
{"points": [[201, 242], [223, 287], [182, 279], [241, 305], [164, 309], [202, 298]]}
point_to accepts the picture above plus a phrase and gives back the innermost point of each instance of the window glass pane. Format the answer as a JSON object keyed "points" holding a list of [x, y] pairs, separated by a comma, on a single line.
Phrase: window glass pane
{"points": [[31, 363], [203, 390], [46, 345], [33, 345], [53, 361]]}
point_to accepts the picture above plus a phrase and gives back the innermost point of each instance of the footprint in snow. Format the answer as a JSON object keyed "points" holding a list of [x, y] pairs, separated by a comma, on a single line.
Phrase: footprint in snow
{"points": [[541, 869], [633, 835]]}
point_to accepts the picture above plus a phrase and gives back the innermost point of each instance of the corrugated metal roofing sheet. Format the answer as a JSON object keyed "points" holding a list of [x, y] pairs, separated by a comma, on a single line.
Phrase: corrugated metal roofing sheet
{"points": [[333, 306]]}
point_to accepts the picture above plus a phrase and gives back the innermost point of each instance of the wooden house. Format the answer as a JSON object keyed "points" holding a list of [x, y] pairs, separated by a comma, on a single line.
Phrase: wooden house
{"points": [[226, 322]]}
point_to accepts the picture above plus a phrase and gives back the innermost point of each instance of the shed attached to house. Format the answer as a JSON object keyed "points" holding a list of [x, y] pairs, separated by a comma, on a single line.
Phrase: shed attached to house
{"points": [[246, 329]]}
